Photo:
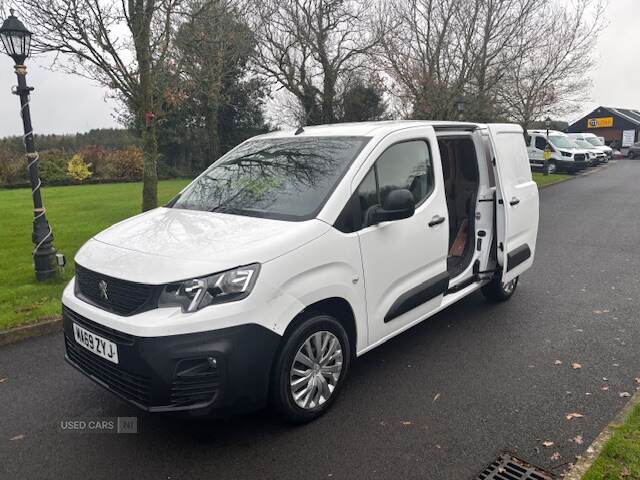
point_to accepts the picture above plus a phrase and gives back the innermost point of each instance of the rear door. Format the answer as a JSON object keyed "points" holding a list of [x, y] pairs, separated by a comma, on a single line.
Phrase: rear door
{"points": [[517, 206]]}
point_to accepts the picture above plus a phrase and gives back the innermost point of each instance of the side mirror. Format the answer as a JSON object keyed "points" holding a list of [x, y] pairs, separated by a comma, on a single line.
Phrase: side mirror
{"points": [[399, 204]]}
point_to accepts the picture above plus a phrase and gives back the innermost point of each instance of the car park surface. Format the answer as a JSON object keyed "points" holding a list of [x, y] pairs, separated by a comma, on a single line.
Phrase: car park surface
{"points": [[438, 402]]}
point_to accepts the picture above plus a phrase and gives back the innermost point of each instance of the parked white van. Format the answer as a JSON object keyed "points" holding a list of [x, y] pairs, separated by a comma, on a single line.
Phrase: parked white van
{"points": [[294, 253], [595, 142], [565, 155]]}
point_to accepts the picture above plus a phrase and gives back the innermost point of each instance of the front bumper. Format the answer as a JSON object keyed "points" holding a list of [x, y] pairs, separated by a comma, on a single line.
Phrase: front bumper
{"points": [[571, 165], [219, 371]]}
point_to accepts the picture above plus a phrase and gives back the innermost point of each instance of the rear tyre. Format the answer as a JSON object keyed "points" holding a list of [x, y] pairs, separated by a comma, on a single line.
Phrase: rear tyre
{"points": [[496, 291], [310, 369], [631, 155]]}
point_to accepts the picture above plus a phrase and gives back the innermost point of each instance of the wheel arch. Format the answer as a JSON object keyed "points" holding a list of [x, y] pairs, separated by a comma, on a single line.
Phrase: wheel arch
{"points": [[337, 307]]}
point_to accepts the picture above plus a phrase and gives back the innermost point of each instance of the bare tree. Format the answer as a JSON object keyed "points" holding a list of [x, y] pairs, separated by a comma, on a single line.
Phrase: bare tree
{"points": [[122, 44], [440, 50], [212, 49], [552, 74], [308, 46]]}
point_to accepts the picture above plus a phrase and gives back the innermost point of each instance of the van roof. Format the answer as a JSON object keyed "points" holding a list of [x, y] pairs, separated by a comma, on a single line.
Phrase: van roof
{"points": [[584, 134], [358, 129], [544, 132]]}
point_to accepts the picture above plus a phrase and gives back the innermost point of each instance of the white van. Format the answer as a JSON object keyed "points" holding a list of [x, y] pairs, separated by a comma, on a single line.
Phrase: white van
{"points": [[565, 155], [595, 142], [294, 253]]}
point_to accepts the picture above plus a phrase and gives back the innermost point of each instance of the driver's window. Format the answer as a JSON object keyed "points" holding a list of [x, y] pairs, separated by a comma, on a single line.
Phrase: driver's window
{"points": [[405, 165]]}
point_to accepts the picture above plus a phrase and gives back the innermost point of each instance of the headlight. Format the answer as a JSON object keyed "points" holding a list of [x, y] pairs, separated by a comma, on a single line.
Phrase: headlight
{"points": [[197, 293], [565, 154]]}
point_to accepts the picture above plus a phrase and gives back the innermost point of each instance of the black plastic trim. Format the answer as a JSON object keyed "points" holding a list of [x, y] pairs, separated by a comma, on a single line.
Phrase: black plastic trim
{"points": [[418, 295], [517, 256], [151, 370]]}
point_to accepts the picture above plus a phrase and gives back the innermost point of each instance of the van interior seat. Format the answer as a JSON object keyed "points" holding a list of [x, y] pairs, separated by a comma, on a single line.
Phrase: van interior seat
{"points": [[461, 181]]}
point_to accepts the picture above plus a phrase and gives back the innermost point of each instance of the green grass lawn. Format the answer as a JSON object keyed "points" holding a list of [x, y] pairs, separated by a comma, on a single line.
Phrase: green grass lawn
{"points": [[542, 179], [76, 214], [620, 457]]}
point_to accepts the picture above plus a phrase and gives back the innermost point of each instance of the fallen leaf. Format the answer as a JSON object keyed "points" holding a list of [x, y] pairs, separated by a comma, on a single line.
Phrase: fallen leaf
{"points": [[605, 379], [605, 388], [616, 364], [637, 380], [625, 472], [555, 456], [571, 416], [597, 312], [406, 423], [18, 437], [438, 446], [624, 394], [547, 444], [576, 366], [578, 439], [558, 362], [436, 397], [2, 380]]}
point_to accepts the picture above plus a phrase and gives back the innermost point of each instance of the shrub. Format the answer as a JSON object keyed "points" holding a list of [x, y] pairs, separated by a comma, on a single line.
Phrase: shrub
{"points": [[53, 166], [78, 169], [95, 155], [124, 164], [13, 168]]}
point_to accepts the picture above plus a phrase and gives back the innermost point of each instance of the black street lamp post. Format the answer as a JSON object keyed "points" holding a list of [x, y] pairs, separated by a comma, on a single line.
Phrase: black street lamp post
{"points": [[460, 104], [16, 40], [547, 147]]}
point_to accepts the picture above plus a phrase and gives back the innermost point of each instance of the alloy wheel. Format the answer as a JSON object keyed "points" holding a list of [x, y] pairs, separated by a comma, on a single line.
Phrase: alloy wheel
{"points": [[316, 370]]}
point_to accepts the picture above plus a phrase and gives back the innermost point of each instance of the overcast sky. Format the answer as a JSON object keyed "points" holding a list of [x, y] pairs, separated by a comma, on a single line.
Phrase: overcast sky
{"points": [[63, 103]]}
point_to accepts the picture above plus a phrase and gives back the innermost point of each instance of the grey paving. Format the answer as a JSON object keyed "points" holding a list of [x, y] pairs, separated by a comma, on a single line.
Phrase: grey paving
{"points": [[438, 402]]}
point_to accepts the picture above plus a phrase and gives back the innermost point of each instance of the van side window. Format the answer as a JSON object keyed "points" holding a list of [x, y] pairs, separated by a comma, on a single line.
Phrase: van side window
{"points": [[541, 143], [367, 195], [406, 165]]}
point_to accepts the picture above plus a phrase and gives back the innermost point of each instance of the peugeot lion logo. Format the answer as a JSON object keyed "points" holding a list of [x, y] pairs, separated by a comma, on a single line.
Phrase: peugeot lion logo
{"points": [[102, 285]]}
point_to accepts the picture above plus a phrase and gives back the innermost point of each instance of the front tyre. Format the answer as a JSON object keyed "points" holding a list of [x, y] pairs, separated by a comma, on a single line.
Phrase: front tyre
{"points": [[310, 369], [551, 167], [496, 291]]}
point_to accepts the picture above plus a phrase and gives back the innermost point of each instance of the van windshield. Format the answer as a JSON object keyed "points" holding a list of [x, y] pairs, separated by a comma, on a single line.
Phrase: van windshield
{"points": [[560, 141], [284, 178], [595, 141], [583, 144]]}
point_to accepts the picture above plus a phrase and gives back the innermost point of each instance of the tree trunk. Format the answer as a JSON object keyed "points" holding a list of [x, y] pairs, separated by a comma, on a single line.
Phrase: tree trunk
{"points": [[328, 98], [213, 137], [142, 39]]}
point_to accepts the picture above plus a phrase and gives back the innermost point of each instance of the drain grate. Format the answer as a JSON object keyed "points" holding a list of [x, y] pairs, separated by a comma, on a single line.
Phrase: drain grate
{"points": [[508, 467]]}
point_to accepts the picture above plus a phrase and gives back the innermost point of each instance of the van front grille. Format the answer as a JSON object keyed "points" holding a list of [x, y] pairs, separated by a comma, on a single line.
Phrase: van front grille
{"points": [[113, 294]]}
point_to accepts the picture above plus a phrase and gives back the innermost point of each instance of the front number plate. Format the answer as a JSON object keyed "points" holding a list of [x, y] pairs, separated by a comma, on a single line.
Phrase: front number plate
{"points": [[98, 345]]}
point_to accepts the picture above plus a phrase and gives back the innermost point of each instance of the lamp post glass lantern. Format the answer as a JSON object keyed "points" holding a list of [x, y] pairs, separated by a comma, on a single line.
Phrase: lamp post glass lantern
{"points": [[16, 41], [460, 105]]}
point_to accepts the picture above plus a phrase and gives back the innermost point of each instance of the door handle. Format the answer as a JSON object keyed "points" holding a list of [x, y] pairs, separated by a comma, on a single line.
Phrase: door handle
{"points": [[514, 201], [437, 220]]}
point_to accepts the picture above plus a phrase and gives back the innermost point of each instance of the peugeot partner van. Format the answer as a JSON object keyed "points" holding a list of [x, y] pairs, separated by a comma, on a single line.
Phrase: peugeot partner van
{"points": [[565, 156], [595, 141], [294, 253]]}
